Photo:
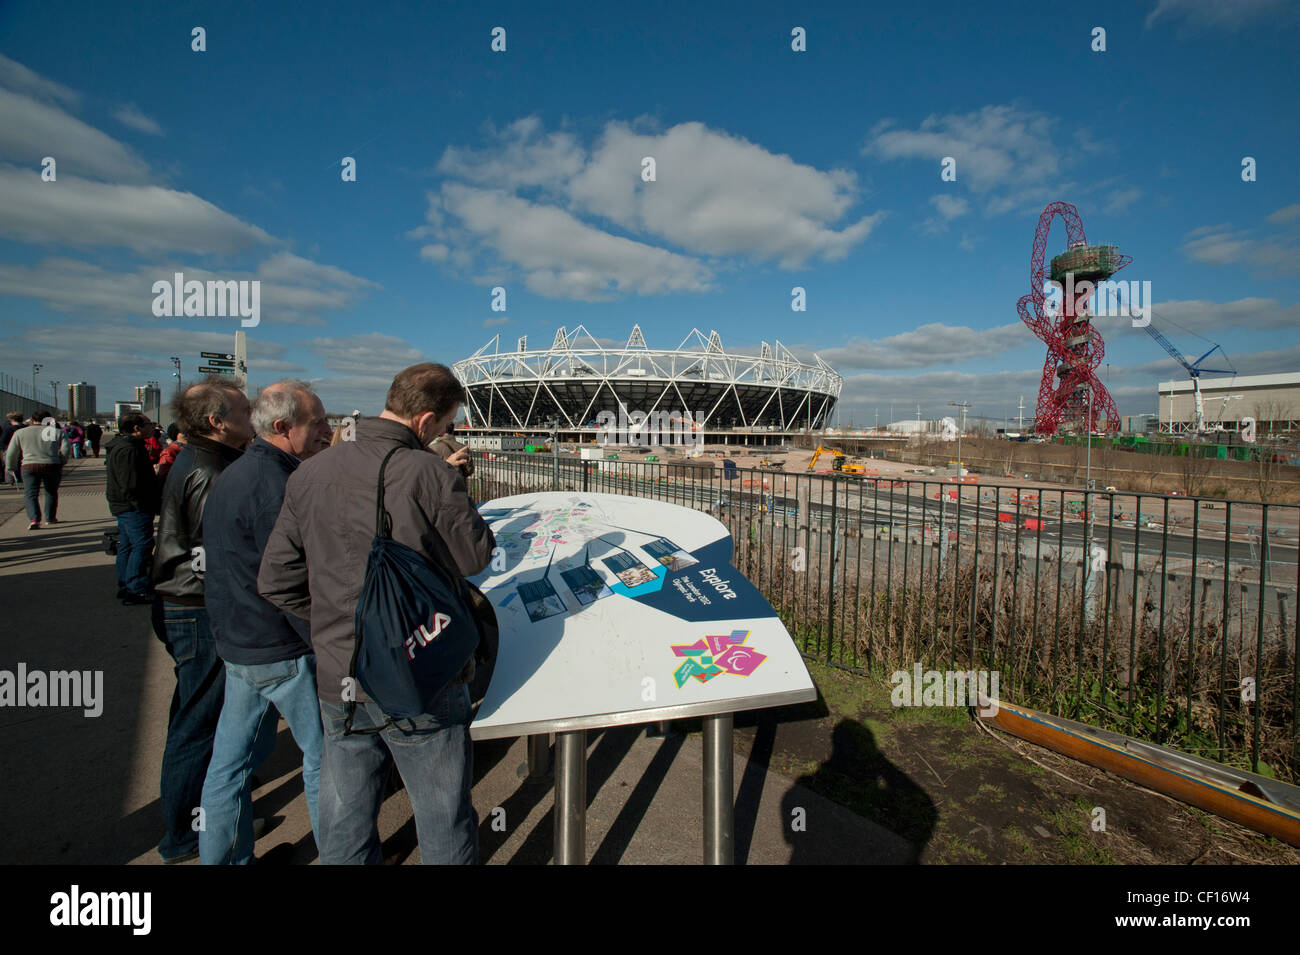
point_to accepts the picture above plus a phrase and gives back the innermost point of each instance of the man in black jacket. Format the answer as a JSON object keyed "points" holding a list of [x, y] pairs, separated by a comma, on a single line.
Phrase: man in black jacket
{"points": [[93, 435], [216, 417], [267, 652], [133, 497]]}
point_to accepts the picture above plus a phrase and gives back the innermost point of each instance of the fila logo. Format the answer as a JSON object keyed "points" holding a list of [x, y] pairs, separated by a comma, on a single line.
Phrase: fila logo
{"points": [[424, 636]]}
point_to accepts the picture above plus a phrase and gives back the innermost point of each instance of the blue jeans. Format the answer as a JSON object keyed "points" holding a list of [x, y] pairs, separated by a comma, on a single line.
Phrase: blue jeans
{"points": [[34, 481], [245, 737], [433, 753], [134, 548], [196, 707]]}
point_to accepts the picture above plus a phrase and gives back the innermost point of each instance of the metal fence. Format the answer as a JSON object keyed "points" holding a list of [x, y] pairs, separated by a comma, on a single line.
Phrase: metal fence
{"points": [[16, 395], [1169, 618]]}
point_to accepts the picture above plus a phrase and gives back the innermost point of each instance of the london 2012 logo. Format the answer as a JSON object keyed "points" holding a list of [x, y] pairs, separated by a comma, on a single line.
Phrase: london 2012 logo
{"points": [[714, 655]]}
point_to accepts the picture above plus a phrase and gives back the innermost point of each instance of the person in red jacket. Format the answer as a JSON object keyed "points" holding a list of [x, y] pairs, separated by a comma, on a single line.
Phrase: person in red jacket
{"points": [[168, 455], [153, 444]]}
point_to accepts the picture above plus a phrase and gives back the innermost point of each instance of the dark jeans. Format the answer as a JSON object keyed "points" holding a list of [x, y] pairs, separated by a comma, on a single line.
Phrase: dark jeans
{"points": [[196, 708], [434, 755], [48, 478], [134, 549]]}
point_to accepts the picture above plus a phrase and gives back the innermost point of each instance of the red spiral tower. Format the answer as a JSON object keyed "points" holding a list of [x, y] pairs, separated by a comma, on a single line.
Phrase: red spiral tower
{"points": [[1074, 347]]}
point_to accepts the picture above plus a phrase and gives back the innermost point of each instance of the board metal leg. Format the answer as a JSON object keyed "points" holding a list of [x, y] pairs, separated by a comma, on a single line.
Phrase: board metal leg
{"points": [[719, 810], [539, 757], [571, 798]]}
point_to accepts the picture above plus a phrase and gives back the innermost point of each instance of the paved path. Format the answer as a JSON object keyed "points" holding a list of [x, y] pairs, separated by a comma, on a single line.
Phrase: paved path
{"points": [[81, 789]]}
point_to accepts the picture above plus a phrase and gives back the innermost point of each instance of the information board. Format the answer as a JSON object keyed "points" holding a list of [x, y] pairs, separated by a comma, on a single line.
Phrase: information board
{"points": [[617, 610]]}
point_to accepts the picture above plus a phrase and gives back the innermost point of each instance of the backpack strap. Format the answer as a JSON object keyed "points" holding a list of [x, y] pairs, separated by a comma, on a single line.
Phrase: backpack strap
{"points": [[383, 528], [383, 520]]}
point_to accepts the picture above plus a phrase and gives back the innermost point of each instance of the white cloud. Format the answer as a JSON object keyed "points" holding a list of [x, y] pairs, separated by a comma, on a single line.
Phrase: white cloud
{"points": [[362, 368], [929, 345], [949, 208], [130, 115], [1229, 14], [30, 130], [1121, 199], [373, 357], [76, 211], [563, 257], [522, 157], [715, 196], [14, 76], [1286, 214], [993, 147], [720, 195], [1221, 320], [494, 322], [1220, 245], [290, 290]]}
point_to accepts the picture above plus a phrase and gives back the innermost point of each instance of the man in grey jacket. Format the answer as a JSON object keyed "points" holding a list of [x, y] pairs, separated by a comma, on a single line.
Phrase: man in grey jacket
{"points": [[314, 566], [41, 449]]}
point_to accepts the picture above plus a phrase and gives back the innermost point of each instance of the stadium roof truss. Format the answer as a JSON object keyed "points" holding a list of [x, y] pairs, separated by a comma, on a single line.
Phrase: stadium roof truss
{"points": [[577, 378]]}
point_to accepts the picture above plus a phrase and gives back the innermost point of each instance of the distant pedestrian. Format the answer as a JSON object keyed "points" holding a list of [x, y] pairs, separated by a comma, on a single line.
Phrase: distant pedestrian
{"points": [[133, 498], [168, 456], [267, 652], [215, 418], [76, 437], [94, 433], [13, 422], [40, 450]]}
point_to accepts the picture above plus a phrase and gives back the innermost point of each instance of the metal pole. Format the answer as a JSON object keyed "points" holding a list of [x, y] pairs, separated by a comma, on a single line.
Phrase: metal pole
{"points": [[571, 798], [539, 756], [719, 842], [555, 456], [1089, 599]]}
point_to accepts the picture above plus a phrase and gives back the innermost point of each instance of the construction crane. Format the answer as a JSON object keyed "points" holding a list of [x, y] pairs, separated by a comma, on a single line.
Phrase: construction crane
{"points": [[1195, 370]]}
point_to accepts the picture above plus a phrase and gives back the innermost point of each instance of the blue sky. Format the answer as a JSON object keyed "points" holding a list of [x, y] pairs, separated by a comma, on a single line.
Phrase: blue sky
{"points": [[774, 169]]}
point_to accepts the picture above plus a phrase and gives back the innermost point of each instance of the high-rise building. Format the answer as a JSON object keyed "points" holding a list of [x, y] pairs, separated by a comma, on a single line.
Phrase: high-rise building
{"points": [[81, 401], [150, 399]]}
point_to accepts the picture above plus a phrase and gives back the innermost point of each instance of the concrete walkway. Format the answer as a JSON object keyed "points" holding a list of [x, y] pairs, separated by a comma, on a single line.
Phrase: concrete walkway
{"points": [[84, 789]]}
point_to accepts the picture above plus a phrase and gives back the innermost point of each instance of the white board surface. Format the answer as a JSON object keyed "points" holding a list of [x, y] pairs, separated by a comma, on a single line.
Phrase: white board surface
{"points": [[617, 610]]}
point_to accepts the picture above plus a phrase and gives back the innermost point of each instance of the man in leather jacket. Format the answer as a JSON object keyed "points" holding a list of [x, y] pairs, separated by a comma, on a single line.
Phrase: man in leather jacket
{"points": [[216, 418]]}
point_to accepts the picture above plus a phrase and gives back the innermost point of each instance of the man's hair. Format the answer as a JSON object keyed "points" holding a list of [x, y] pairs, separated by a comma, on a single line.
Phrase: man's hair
{"points": [[130, 421], [40, 414], [15, 416], [424, 387], [210, 397], [284, 400]]}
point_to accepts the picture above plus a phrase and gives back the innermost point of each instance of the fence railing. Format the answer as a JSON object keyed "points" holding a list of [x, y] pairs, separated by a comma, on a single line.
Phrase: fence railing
{"points": [[16, 395], [1173, 619]]}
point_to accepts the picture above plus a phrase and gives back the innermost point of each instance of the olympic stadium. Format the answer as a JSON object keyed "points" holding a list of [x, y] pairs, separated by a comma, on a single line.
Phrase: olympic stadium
{"points": [[572, 382]]}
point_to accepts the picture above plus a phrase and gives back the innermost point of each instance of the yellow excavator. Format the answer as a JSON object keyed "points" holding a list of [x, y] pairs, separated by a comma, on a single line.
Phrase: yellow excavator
{"points": [[837, 462]]}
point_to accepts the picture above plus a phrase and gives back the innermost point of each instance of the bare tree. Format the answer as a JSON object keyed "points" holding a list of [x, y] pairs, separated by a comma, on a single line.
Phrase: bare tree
{"points": [[1270, 446], [1193, 469]]}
